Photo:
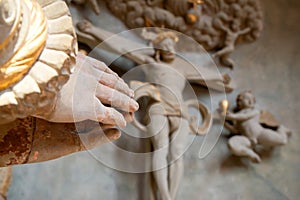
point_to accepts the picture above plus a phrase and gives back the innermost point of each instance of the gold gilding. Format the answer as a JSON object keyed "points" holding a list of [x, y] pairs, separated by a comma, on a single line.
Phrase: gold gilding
{"points": [[24, 57], [192, 18], [224, 105]]}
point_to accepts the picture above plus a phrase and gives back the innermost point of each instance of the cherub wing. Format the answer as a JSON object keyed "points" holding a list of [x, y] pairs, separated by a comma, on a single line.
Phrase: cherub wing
{"points": [[199, 68], [267, 119]]}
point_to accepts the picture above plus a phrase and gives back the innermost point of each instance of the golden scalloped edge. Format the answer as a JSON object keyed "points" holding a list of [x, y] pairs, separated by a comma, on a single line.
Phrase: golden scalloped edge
{"points": [[36, 93]]}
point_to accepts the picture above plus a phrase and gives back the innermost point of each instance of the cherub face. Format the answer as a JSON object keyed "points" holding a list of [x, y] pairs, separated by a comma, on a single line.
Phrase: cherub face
{"points": [[166, 50], [245, 100]]}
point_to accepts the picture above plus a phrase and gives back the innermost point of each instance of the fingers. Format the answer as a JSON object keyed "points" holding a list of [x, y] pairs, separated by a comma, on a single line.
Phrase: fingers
{"points": [[112, 134], [112, 81], [106, 126], [82, 59], [104, 74], [85, 60], [116, 99], [116, 83], [98, 136], [110, 89], [111, 116]]}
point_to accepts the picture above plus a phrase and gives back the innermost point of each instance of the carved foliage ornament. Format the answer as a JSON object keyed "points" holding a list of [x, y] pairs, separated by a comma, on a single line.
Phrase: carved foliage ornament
{"points": [[205, 21]]}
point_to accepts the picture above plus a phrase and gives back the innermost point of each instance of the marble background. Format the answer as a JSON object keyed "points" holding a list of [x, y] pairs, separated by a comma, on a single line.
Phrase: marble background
{"points": [[269, 66]]}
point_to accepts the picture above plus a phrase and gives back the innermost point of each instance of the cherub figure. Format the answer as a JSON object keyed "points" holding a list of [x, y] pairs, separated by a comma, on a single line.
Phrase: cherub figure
{"points": [[246, 122]]}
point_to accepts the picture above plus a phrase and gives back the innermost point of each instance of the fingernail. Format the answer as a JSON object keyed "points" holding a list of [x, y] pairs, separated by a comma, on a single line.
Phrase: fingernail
{"points": [[135, 105]]}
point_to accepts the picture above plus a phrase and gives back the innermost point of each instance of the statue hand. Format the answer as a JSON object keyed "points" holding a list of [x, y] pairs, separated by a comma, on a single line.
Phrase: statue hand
{"points": [[90, 88]]}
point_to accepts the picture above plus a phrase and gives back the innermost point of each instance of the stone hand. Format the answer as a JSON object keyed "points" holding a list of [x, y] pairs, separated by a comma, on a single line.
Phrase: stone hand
{"points": [[90, 88]]}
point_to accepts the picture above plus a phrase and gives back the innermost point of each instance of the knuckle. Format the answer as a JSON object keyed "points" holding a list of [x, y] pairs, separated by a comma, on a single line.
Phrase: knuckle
{"points": [[113, 81]]}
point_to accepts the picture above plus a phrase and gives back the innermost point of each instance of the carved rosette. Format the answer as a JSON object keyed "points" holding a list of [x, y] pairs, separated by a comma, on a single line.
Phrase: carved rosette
{"points": [[42, 64]]}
